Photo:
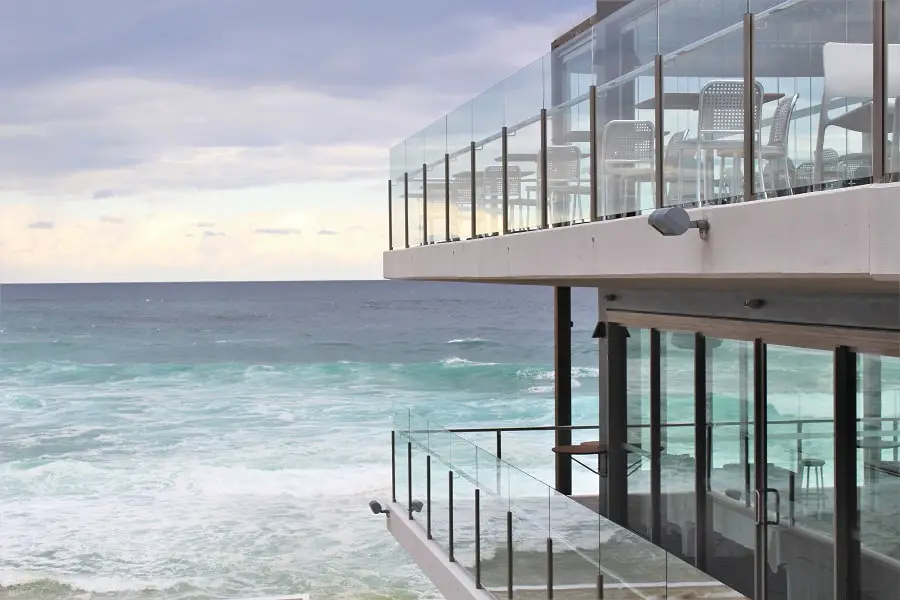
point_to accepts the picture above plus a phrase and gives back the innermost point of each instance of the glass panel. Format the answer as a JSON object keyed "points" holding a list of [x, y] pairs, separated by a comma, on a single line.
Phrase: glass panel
{"points": [[526, 91], [629, 563], [625, 156], [568, 162], [575, 527], [400, 423], [878, 475], [523, 151], [800, 472], [419, 436], [439, 447], [637, 447], [435, 149], [729, 389], [488, 118], [494, 484], [703, 117], [685, 22], [415, 158], [819, 54], [678, 458], [529, 502], [398, 167], [459, 139]]}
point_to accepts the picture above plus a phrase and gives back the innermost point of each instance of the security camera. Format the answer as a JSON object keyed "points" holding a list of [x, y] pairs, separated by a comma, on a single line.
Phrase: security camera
{"points": [[417, 505], [675, 221], [376, 508]]}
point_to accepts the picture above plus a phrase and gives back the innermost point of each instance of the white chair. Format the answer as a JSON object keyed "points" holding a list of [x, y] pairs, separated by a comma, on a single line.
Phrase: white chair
{"points": [[848, 74]]}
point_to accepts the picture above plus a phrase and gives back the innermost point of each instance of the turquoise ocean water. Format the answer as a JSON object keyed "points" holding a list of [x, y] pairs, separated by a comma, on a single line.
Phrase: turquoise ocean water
{"points": [[223, 440]]}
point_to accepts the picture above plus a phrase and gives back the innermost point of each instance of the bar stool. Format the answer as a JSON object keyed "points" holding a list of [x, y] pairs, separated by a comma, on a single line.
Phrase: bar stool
{"points": [[808, 467]]}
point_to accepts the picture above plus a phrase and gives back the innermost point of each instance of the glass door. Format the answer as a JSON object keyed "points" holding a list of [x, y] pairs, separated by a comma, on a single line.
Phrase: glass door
{"points": [[797, 511], [731, 520]]}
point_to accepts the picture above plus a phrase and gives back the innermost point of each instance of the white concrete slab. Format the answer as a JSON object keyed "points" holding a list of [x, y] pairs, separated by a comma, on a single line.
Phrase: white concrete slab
{"points": [[848, 236], [449, 578]]}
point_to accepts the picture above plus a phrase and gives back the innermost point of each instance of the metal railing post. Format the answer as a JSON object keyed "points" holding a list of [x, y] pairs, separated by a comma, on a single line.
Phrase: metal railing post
{"points": [[659, 134], [390, 215], [549, 568], [428, 496], [474, 190], [504, 162], [406, 209], [509, 554], [499, 444], [450, 520], [879, 93], [592, 145], [478, 538], [544, 205], [393, 465], [424, 204], [749, 109], [446, 197], [409, 478]]}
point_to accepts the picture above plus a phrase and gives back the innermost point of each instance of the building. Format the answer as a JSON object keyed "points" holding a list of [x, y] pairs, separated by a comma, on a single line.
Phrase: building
{"points": [[772, 123]]}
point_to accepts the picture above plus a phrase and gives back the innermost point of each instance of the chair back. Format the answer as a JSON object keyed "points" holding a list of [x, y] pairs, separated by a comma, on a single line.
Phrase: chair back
{"points": [[564, 164], [626, 141], [722, 108], [493, 180], [781, 121]]}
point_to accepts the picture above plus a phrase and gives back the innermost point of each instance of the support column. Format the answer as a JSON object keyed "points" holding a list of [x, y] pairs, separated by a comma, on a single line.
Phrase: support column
{"points": [[602, 338], [562, 363], [617, 422]]}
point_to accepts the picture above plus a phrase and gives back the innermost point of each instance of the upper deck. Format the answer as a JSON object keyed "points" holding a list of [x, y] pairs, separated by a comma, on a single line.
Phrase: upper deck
{"points": [[662, 103]]}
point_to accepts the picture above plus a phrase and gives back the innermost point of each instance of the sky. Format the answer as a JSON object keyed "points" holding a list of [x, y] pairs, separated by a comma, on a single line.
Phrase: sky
{"points": [[199, 140]]}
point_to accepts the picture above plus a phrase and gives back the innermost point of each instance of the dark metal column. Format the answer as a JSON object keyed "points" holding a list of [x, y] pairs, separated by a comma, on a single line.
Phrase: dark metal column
{"points": [[390, 216], [424, 204], [701, 441], [655, 436], [760, 456], [406, 210], [600, 334], [846, 509], [562, 366], [617, 411]]}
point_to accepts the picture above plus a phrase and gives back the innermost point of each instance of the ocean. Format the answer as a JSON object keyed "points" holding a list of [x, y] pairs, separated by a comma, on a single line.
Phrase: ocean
{"points": [[194, 441]]}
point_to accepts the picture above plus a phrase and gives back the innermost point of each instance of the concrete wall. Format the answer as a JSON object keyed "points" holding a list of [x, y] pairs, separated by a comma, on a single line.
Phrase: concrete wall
{"points": [[841, 238]]}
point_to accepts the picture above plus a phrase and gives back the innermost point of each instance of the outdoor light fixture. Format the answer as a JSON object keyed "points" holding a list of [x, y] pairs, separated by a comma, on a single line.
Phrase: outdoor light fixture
{"points": [[675, 221], [376, 508], [416, 506]]}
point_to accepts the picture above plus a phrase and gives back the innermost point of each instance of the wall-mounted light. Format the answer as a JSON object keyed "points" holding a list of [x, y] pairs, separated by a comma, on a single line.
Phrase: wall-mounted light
{"points": [[377, 509], [676, 221]]}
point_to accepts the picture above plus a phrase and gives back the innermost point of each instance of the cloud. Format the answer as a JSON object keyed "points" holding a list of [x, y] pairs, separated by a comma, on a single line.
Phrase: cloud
{"points": [[41, 225], [326, 232], [277, 231], [112, 220], [204, 224], [106, 193], [213, 234]]}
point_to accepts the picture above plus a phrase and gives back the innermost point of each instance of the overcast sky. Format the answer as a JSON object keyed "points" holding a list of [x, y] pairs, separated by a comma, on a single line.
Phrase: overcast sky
{"points": [[172, 140]]}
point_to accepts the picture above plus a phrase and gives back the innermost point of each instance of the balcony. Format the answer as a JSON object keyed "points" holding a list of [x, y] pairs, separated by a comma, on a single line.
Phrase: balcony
{"points": [[691, 103], [511, 535]]}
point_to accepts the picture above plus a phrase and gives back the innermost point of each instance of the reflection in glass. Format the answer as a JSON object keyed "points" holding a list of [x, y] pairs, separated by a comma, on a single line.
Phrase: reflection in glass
{"points": [[677, 459], [637, 440], [729, 389], [800, 471], [878, 475]]}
